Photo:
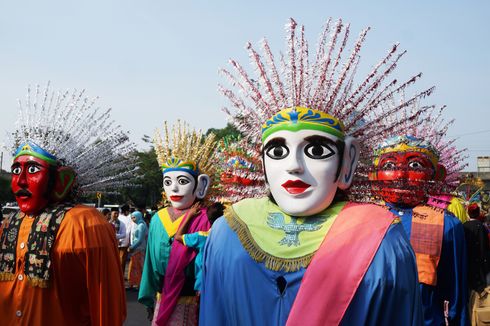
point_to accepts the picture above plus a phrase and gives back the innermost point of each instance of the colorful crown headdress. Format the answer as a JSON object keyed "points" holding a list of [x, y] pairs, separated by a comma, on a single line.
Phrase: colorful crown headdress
{"points": [[239, 170], [415, 128], [64, 128], [322, 92], [185, 149]]}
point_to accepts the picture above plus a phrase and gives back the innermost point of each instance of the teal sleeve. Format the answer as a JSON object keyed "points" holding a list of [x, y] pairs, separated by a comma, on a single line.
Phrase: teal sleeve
{"points": [[156, 260], [191, 240]]}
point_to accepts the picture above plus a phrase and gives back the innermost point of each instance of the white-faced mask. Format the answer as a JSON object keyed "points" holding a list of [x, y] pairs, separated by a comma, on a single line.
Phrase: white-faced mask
{"points": [[301, 169]]}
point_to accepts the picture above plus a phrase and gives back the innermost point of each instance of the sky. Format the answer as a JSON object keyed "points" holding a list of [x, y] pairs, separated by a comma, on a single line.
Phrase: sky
{"points": [[152, 61]]}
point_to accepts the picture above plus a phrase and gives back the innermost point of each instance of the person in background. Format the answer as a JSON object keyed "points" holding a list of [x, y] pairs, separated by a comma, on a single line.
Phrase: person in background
{"points": [[137, 250], [125, 218], [477, 246], [107, 214], [118, 226]]}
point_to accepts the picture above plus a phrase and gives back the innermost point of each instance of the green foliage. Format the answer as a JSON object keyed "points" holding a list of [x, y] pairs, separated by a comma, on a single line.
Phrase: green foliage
{"points": [[148, 181], [229, 130]]}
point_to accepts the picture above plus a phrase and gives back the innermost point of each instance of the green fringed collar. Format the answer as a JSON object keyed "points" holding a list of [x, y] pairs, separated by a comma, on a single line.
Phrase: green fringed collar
{"points": [[280, 241]]}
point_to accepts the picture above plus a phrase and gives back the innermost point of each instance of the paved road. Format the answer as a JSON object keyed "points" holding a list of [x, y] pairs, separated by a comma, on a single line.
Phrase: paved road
{"points": [[136, 311]]}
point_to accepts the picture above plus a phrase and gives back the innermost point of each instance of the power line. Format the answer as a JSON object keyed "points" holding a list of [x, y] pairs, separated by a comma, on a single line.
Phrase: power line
{"points": [[473, 133]]}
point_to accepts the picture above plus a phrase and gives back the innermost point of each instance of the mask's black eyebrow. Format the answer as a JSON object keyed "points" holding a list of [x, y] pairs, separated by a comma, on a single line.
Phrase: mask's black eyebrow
{"points": [[278, 141], [317, 139]]}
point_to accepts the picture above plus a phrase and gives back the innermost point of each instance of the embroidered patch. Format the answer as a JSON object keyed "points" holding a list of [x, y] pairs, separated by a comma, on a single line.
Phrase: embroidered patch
{"points": [[293, 229]]}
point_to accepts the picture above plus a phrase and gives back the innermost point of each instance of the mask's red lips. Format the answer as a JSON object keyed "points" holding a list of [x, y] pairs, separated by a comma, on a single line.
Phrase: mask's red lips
{"points": [[176, 198], [295, 187]]}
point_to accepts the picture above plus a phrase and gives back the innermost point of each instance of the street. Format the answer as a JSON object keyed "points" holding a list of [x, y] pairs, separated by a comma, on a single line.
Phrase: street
{"points": [[136, 311]]}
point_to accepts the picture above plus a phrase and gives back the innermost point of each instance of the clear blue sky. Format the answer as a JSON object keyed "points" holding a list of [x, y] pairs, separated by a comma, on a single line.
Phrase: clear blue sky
{"points": [[157, 60]]}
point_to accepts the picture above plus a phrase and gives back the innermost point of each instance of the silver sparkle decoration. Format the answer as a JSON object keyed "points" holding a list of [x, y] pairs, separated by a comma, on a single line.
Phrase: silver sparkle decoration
{"points": [[70, 126]]}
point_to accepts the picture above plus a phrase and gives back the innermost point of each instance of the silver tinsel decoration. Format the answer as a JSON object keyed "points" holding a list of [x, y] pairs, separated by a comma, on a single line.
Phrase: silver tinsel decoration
{"points": [[70, 126]]}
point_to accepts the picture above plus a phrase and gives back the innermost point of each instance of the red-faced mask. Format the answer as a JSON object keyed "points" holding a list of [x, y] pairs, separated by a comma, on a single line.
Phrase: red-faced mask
{"points": [[30, 182], [402, 178]]}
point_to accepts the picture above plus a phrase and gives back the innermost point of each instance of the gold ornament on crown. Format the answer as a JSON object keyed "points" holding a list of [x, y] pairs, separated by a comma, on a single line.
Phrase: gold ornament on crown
{"points": [[186, 148]]}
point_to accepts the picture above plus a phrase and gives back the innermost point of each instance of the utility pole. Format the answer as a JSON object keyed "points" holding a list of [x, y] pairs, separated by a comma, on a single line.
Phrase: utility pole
{"points": [[1, 161]]}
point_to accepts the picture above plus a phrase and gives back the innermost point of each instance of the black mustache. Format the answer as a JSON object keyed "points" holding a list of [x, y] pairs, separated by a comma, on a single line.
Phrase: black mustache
{"points": [[23, 192]]}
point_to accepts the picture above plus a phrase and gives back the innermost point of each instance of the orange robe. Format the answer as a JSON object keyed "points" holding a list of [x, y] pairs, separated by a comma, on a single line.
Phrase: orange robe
{"points": [[86, 285]]}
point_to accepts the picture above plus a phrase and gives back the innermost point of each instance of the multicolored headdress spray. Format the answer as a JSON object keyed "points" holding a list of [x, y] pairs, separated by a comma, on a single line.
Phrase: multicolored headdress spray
{"points": [[239, 171], [64, 128], [320, 91], [296, 93], [187, 150]]}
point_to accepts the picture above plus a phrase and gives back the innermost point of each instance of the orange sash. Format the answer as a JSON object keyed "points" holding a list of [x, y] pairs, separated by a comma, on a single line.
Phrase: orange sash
{"points": [[426, 240]]}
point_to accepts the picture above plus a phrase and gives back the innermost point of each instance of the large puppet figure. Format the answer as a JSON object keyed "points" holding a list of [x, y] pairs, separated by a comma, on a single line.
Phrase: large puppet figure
{"points": [[58, 260], [302, 256], [168, 273], [407, 169]]}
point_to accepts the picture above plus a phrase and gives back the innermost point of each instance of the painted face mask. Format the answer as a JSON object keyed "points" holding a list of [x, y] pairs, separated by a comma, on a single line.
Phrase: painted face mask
{"points": [[301, 169], [180, 188], [304, 159], [30, 183], [404, 178], [405, 168]]}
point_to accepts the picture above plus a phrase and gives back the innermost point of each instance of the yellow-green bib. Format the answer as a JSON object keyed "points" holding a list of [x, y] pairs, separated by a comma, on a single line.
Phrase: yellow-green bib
{"points": [[280, 241]]}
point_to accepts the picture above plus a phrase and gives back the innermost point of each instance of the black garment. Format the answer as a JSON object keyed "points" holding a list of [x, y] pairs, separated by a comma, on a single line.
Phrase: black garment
{"points": [[478, 254]]}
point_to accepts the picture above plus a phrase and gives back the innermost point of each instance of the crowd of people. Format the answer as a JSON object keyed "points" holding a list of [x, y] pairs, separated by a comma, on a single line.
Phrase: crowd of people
{"points": [[336, 206]]}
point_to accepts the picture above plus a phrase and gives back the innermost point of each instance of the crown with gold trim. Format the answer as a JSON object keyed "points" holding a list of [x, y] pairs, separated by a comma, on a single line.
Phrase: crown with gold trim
{"points": [[407, 143], [184, 149], [298, 118]]}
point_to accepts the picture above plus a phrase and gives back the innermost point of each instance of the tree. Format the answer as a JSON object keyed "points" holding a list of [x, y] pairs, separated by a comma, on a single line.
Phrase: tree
{"points": [[229, 130]]}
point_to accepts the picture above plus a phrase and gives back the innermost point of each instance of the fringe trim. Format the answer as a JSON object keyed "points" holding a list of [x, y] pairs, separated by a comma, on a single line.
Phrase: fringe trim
{"points": [[271, 262], [39, 282], [4, 277]]}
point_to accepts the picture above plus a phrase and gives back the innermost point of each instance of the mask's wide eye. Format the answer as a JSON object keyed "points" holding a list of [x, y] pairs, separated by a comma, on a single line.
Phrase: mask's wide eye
{"points": [[16, 170], [388, 166], [33, 169], [415, 165], [183, 181], [277, 152], [167, 182], [318, 151]]}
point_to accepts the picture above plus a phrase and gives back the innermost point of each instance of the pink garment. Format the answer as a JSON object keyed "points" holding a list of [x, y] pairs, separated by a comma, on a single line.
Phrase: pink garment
{"points": [[440, 201], [180, 257], [357, 232]]}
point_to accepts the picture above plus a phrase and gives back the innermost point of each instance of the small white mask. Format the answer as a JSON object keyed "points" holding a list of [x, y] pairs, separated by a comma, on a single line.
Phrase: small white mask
{"points": [[179, 187], [301, 169]]}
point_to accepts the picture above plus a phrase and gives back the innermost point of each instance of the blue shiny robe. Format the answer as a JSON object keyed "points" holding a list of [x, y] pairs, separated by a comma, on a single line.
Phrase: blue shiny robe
{"points": [[239, 291], [451, 273]]}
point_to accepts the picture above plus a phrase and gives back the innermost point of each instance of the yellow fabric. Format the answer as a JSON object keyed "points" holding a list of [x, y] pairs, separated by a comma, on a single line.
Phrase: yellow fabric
{"points": [[86, 285], [479, 307], [170, 226], [254, 213], [456, 207], [261, 228]]}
